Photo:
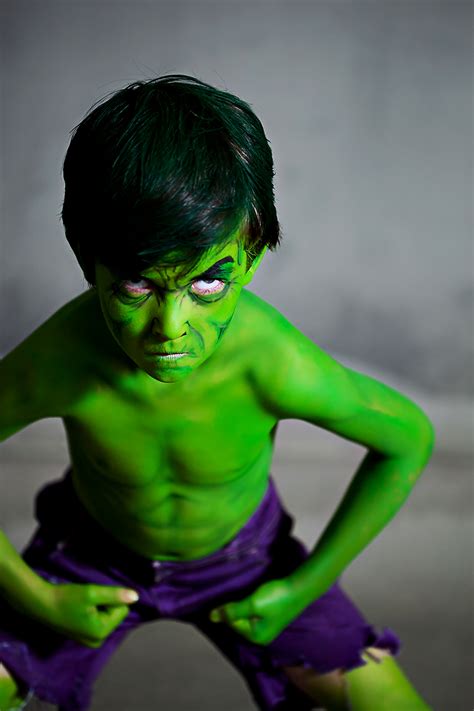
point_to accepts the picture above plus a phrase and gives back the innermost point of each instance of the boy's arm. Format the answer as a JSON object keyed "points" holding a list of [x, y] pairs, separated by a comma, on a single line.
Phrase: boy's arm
{"points": [[32, 387], [308, 384], [87, 613], [41, 377], [23, 398]]}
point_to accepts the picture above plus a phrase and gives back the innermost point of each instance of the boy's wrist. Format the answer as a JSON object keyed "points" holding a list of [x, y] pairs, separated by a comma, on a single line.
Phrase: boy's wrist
{"points": [[303, 588], [316, 574], [31, 598]]}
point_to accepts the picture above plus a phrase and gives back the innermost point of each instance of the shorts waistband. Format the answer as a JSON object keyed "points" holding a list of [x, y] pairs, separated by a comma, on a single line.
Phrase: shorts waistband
{"points": [[61, 512]]}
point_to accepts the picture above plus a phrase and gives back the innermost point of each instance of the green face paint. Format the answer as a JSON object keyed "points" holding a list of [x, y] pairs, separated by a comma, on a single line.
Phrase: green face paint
{"points": [[170, 319]]}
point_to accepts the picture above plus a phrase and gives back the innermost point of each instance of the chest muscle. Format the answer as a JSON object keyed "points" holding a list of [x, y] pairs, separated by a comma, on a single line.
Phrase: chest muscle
{"points": [[190, 441]]}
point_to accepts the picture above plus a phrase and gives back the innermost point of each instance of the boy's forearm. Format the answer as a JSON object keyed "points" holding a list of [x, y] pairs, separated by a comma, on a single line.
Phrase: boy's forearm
{"points": [[375, 494], [19, 584]]}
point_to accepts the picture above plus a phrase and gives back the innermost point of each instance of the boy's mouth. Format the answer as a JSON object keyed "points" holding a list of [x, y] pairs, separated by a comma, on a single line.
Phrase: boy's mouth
{"points": [[167, 356]]}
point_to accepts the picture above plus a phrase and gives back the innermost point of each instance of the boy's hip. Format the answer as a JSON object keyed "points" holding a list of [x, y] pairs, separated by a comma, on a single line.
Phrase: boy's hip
{"points": [[66, 530]]}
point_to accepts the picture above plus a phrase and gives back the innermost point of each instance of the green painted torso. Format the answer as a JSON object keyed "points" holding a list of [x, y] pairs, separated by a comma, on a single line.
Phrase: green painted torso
{"points": [[171, 470]]}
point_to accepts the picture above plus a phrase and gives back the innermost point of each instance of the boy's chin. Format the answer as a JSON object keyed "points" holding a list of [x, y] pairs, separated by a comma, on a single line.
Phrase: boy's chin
{"points": [[167, 375]]}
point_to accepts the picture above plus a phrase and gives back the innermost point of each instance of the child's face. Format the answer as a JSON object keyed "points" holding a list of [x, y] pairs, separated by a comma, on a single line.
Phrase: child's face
{"points": [[174, 310]]}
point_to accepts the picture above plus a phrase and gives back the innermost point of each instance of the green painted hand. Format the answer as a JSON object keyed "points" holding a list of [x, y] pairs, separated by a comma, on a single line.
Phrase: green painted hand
{"points": [[264, 614], [87, 613]]}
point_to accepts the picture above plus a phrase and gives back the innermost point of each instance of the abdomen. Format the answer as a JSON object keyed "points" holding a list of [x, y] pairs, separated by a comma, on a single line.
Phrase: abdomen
{"points": [[169, 518]]}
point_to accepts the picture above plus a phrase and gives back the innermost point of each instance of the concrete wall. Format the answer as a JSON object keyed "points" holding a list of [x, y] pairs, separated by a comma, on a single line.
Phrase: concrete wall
{"points": [[368, 109]]}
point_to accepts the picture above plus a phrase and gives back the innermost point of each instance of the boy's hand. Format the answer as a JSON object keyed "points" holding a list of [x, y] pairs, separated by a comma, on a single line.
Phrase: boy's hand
{"points": [[86, 613], [264, 614]]}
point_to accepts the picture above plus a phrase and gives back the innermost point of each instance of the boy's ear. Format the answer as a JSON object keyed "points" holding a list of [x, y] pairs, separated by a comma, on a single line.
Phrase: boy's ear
{"points": [[249, 274]]}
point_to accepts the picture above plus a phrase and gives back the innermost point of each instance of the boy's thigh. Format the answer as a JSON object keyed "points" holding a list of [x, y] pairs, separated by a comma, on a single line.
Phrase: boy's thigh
{"points": [[13, 699], [10, 694], [330, 635], [42, 661], [329, 689], [45, 664]]}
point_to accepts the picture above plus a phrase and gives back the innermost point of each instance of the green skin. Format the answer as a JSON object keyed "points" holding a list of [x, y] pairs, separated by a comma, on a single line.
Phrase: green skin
{"points": [[173, 457]]}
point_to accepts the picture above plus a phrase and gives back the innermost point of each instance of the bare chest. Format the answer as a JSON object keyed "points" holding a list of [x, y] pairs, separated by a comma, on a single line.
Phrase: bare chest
{"points": [[195, 439]]}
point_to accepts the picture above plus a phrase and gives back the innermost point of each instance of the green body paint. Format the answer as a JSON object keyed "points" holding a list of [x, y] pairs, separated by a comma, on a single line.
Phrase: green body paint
{"points": [[118, 325], [173, 310], [172, 456], [171, 382]]}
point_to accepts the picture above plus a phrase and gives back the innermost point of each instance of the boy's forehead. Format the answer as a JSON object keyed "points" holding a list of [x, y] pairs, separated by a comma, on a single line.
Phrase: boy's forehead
{"points": [[228, 255]]}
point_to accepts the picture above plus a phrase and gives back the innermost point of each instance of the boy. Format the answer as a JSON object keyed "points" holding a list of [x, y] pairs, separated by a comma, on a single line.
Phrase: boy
{"points": [[171, 379]]}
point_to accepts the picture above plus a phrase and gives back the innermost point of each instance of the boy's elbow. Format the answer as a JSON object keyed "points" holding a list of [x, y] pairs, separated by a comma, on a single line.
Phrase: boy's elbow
{"points": [[424, 437]]}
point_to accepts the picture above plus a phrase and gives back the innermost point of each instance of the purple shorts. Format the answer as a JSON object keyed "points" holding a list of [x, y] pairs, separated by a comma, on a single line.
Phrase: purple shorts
{"points": [[69, 545]]}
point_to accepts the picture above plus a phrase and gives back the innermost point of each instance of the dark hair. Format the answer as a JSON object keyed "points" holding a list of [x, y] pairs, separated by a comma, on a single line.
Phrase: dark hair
{"points": [[163, 170]]}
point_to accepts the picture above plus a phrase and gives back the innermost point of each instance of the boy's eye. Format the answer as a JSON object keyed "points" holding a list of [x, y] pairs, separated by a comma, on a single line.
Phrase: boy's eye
{"points": [[135, 287], [207, 287]]}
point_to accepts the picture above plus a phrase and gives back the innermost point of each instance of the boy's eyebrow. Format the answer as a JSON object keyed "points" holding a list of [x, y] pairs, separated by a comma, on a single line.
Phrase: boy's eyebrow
{"points": [[216, 266], [213, 269]]}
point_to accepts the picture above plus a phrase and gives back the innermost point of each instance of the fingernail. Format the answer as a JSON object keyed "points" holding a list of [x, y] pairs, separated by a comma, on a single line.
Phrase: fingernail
{"points": [[131, 596]]}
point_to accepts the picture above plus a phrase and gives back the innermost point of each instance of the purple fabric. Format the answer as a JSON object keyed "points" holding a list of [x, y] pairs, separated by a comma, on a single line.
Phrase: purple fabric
{"points": [[70, 546]]}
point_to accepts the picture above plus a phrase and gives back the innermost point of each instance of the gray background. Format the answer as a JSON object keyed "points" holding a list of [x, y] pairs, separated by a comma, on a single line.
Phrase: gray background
{"points": [[368, 107]]}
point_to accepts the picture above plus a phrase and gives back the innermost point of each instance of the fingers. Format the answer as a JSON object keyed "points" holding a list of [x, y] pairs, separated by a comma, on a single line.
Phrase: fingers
{"points": [[242, 617], [233, 611], [244, 627], [111, 595], [103, 622], [87, 642], [112, 616]]}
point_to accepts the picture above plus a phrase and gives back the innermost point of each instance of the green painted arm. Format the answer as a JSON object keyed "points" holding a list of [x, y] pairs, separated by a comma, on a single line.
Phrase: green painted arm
{"points": [[19, 584], [376, 493], [87, 613], [378, 489], [308, 384]]}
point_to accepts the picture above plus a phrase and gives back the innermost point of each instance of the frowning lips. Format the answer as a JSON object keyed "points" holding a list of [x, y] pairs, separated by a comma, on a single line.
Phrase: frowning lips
{"points": [[168, 354]]}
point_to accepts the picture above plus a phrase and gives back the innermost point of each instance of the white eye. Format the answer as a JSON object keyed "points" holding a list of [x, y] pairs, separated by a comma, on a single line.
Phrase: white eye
{"points": [[135, 286], [204, 287]]}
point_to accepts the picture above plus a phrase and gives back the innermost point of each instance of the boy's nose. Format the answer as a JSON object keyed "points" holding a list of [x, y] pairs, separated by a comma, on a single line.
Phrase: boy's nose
{"points": [[169, 322]]}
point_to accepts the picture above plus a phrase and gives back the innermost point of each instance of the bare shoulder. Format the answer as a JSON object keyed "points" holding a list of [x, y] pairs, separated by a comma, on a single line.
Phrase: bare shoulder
{"points": [[296, 379], [285, 365], [265, 330], [46, 373]]}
